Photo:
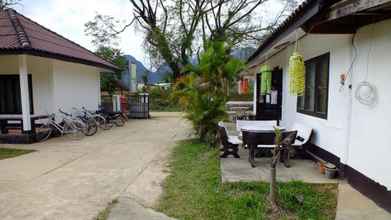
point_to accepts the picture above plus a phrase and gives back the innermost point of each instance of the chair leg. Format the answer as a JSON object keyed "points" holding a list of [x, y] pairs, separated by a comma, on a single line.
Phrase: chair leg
{"points": [[230, 149], [251, 155], [286, 157], [235, 151]]}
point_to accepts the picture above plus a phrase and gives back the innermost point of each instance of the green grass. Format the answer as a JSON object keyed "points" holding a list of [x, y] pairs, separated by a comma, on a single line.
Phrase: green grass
{"points": [[9, 153], [104, 214], [194, 191]]}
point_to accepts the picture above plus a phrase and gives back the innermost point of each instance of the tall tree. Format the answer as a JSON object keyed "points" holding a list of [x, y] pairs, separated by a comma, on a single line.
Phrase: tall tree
{"points": [[4, 4], [176, 31], [109, 80]]}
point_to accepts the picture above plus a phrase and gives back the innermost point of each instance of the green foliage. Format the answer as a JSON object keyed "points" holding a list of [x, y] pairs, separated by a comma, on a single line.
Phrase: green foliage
{"points": [[108, 80], [193, 190], [204, 91], [161, 100], [4, 4]]}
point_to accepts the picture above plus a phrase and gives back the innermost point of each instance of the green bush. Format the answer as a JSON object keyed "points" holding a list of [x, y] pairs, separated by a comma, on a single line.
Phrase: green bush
{"points": [[203, 91], [161, 99]]}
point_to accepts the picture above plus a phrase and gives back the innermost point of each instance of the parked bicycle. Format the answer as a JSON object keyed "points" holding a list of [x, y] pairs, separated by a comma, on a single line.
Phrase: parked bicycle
{"points": [[68, 126], [92, 125], [100, 120], [116, 118]]}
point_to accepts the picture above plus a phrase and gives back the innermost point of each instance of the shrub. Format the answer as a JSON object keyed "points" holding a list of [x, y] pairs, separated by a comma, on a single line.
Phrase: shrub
{"points": [[203, 91]]}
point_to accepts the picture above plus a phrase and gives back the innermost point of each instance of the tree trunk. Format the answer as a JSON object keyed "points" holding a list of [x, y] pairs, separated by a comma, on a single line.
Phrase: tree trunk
{"points": [[273, 188], [273, 181]]}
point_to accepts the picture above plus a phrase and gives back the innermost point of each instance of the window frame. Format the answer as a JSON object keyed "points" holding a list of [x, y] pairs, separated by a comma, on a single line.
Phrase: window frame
{"points": [[317, 60]]}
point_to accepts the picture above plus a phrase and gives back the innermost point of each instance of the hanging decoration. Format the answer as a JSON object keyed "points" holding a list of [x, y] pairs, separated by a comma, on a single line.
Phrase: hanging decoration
{"points": [[296, 74], [266, 79]]}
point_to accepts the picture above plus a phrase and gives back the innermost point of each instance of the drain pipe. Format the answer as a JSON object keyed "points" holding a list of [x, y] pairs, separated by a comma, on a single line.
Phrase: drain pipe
{"points": [[350, 103]]}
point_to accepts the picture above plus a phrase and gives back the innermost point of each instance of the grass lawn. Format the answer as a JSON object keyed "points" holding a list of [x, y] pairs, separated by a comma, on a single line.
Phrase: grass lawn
{"points": [[194, 191], [9, 153]]}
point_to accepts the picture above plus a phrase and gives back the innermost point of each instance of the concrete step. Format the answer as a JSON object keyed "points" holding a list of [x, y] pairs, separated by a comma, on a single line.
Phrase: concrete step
{"points": [[128, 209]]}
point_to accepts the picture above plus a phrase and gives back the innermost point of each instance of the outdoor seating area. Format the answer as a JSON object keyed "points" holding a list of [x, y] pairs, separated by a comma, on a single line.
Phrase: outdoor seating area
{"points": [[257, 135], [251, 143], [238, 170]]}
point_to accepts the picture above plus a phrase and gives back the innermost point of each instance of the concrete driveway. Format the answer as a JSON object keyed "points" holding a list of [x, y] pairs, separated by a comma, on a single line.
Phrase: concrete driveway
{"points": [[74, 180]]}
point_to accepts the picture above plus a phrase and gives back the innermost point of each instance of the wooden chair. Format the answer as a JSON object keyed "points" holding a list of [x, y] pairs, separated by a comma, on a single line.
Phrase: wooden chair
{"points": [[230, 143], [304, 134]]}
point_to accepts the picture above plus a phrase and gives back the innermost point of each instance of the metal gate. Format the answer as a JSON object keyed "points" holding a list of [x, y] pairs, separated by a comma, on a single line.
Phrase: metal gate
{"points": [[138, 105]]}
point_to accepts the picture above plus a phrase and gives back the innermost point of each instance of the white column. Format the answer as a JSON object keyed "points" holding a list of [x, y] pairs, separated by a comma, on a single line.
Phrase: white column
{"points": [[24, 92]]}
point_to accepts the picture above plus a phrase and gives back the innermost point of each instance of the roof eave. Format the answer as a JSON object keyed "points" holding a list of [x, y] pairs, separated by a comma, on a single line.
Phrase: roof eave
{"points": [[305, 12], [46, 54]]}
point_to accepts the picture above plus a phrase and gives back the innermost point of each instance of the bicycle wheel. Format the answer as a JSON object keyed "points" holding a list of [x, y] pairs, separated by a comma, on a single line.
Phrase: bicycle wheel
{"points": [[92, 127], [119, 121], [43, 132], [102, 123], [74, 130]]}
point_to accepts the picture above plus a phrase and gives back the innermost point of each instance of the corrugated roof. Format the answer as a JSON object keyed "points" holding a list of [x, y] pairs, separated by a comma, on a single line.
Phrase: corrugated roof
{"points": [[297, 14], [19, 34]]}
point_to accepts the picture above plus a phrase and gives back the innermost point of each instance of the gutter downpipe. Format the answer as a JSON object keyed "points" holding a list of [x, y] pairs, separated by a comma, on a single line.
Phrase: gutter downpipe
{"points": [[350, 103]]}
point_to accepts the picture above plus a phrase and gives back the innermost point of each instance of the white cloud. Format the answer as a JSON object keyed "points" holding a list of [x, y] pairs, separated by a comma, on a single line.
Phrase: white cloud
{"points": [[67, 17]]}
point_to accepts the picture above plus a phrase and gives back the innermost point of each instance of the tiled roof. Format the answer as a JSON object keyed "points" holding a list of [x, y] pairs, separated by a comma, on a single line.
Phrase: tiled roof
{"points": [[19, 34]]}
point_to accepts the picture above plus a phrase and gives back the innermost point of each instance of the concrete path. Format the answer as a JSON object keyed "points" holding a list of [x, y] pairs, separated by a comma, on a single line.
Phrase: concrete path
{"points": [[352, 205], [74, 180], [129, 209]]}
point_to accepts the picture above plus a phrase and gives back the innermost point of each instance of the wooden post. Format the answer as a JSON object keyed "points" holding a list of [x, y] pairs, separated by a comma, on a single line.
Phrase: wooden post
{"points": [[24, 93]]}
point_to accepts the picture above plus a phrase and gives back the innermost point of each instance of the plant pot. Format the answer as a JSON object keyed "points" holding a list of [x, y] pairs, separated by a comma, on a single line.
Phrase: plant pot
{"points": [[331, 173], [322, 168]]}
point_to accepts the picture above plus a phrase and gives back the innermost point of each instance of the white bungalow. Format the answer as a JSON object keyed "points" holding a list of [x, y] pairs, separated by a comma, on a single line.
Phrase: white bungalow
{"points": [[339, 39], [41, 71]]}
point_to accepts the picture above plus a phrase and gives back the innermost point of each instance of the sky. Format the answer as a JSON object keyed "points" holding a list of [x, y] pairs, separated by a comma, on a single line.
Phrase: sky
{"points": [[67, 17]]}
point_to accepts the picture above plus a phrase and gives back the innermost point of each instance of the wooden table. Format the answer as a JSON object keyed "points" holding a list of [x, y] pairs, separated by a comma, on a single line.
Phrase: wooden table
{"points": [[258, 135]]}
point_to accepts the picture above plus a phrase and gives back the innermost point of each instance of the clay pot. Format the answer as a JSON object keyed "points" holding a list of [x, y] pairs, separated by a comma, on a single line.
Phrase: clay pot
{"points": [[322, 168]]}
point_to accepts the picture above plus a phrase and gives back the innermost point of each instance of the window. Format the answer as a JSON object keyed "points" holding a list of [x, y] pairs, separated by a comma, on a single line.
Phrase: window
{"points": [[10, 100], [315, 99]]}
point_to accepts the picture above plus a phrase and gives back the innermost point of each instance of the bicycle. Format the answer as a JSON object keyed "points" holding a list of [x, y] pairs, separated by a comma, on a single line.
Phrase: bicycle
{"points": [[89, 126], [100, 120], [113, 117], [68, 126]]}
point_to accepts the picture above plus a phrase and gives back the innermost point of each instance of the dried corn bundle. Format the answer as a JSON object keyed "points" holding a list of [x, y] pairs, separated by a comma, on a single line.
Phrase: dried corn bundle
{"points": [[296, 74], [266, 79]]}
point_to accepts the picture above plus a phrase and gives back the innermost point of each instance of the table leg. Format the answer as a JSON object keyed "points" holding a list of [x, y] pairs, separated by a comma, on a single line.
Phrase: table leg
{"points": [[251, 151]]}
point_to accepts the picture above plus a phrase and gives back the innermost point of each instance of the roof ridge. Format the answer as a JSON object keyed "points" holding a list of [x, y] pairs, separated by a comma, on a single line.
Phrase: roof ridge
{"points": [[64, 38], [20, 33]]}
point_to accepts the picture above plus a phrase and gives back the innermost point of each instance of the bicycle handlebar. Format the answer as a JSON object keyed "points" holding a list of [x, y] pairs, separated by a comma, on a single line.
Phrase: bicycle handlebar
{"points": [[62, 112]]}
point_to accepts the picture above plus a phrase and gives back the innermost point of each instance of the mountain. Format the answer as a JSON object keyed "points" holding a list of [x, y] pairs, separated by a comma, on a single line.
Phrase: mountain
{"points": [[140, 70], [243, 53], [160, 75], [153, 77], [163, 72]]}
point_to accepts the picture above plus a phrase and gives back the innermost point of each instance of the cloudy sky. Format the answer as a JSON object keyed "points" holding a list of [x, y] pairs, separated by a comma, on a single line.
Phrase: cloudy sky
{"points": [[67, 17]]}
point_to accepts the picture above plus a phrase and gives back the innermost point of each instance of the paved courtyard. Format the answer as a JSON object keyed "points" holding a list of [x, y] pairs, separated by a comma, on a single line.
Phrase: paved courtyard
{"points": [[74, 180], [352, 205]]}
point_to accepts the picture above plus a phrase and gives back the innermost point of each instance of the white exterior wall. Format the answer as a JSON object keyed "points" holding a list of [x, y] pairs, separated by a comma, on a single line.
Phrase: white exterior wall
{"points": [[40, 70], [358, 134], [75, 85], [370, 142], [331, 133], [58, 84]]}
